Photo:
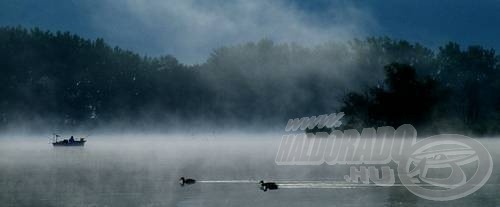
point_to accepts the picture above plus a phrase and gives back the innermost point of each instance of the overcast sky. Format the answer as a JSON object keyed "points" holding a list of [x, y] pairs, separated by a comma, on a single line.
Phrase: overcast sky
{"points": [[190, 29]]}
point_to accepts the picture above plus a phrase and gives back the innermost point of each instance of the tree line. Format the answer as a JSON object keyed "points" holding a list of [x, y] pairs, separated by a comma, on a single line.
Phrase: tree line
{"points": [[62, 80]]}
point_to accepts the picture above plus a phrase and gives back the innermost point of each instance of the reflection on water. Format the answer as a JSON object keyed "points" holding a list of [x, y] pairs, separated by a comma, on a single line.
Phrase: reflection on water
{"points": [[145, 172]]}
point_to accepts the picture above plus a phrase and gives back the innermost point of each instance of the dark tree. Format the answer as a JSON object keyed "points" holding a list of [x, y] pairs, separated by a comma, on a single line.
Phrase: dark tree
{"points": [[403, 98]]}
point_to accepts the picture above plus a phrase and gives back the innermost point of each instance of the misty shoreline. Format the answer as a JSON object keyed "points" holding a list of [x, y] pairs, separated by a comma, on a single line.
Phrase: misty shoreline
{"points": [[58, 81]]}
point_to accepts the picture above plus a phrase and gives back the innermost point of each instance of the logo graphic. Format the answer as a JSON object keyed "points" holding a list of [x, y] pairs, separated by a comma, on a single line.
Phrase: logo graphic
{"points": [[446, 151], [440, 168]]}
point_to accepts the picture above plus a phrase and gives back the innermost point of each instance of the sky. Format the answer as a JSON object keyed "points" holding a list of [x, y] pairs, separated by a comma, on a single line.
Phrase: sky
{"points": [[191, 29]]}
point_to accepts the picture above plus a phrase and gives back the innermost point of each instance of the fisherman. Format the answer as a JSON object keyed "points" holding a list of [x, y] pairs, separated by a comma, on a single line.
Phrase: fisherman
{"points": [[71, 139]]}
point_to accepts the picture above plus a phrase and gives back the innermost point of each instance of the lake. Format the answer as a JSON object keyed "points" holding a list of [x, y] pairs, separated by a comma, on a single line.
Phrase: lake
{"points": [[143, 170]]}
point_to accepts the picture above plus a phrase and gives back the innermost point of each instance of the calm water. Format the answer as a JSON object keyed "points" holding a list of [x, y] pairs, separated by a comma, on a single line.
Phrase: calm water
{"points": [[144, 171]]}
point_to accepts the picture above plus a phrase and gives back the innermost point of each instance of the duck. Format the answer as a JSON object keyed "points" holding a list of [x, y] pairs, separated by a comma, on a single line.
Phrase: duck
{"points": [[268, 186], [186, 181]]}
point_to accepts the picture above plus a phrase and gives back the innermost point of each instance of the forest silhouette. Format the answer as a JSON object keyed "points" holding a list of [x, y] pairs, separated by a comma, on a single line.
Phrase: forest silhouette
{"points": [[66, 81]]}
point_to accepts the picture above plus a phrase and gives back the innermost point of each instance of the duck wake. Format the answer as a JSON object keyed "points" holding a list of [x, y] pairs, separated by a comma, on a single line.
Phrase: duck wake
{"points": [[298, 184]]}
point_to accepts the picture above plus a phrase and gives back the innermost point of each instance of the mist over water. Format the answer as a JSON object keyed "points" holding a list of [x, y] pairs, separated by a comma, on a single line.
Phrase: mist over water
{"points": [[143, 170], [198, 89]]}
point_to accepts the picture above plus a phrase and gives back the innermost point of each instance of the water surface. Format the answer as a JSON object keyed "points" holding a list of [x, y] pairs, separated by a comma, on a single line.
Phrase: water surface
{"points": [[144, 171]]}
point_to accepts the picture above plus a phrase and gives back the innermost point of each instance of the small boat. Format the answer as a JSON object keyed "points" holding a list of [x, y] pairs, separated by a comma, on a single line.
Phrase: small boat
{"points": [[71, 142]]}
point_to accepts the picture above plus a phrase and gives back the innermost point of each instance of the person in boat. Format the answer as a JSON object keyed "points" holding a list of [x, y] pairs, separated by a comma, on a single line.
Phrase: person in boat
{"points": [[186, 181], [71, 139], [268, 186]]}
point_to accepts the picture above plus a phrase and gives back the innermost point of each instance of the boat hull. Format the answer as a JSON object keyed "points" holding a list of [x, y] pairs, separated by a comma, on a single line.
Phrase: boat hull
{"points": [[69, 144]]}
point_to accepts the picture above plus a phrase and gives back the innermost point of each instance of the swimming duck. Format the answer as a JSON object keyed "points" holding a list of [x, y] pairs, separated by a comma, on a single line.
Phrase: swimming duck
{"points": [[268, 186], [187, 181]]}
